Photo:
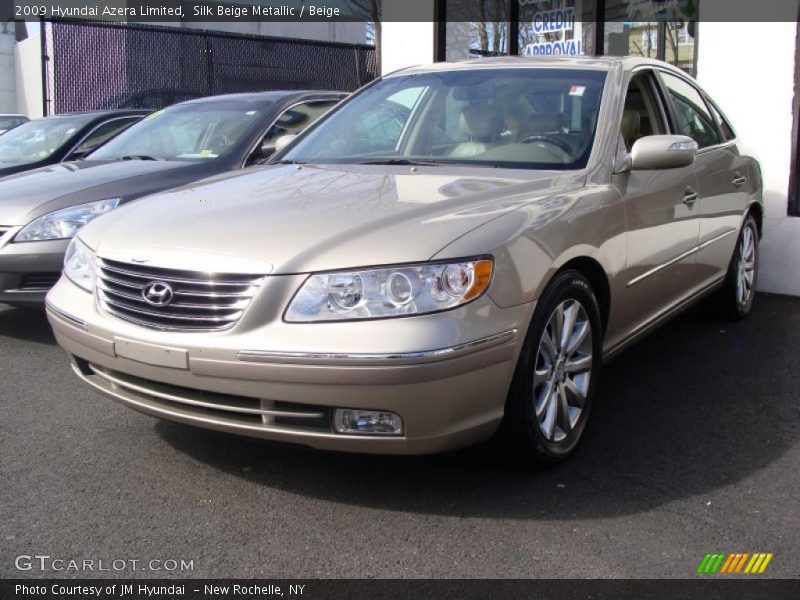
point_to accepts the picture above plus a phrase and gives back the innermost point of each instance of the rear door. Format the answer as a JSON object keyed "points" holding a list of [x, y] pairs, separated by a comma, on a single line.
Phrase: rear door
{"points": [[721, 173]]}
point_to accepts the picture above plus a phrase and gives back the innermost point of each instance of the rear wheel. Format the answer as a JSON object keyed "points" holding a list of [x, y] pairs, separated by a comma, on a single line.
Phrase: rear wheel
{"points": [[556, 377], [734, 300]]}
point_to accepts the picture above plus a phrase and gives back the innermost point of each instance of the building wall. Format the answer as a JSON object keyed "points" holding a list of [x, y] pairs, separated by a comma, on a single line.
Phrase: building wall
{"points": [[28, 74], [754, 88], [405, 45], [8, 90]]}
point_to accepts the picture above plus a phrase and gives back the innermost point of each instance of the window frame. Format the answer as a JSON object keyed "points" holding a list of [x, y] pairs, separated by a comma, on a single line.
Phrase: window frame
{"points": [[652, 81], [247, 161], [132, 118], [674, 128]]}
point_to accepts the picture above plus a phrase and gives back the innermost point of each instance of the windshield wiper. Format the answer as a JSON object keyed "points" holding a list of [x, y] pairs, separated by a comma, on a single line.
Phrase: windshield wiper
{"points": [[286, 162], [139, 157], [404, 161]]}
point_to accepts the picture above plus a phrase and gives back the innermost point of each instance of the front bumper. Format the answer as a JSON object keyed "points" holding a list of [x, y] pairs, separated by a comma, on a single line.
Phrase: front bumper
{"points": [[29, 269], [446, 375]]}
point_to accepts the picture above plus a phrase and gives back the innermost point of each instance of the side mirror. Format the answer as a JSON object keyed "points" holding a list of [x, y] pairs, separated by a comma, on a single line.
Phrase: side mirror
{"points": [[284, 141], [662, 152], [79, 154], [266, 150]]}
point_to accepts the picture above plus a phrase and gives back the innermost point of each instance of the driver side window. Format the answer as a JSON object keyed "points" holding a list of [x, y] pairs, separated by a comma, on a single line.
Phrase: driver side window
{"points": [[640, 115]]}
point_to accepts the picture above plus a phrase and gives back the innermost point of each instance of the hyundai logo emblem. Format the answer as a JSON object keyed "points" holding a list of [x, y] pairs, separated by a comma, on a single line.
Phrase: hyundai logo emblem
{"points": [[158, 293]]}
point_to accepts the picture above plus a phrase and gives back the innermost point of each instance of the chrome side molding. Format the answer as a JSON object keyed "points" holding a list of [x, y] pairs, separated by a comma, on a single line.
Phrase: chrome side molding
{"points": [[263, 356]]}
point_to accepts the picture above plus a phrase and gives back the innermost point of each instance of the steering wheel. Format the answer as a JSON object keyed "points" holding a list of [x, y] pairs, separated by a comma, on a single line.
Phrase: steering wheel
{"points": [[548, 140]]}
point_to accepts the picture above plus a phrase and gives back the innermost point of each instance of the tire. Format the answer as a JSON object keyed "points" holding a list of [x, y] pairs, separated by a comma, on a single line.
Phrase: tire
{"points": [[536, 430], [734, 300]]}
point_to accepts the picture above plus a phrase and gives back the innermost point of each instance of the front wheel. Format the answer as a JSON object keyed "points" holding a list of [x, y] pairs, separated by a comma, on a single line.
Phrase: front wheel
{"points": [[555, 381]]}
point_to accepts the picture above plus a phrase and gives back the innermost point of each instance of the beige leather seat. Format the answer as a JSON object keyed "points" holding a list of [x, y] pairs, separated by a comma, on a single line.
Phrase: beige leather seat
{"points": [[478, 124], [631, 127]]}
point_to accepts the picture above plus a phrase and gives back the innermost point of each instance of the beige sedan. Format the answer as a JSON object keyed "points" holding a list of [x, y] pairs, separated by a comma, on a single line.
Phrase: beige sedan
{"points": [[448, 256]]}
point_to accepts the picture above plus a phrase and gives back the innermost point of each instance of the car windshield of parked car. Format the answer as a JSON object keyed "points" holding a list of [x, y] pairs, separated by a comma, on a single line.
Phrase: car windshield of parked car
{"points": [[533, 118], [196, 131], [10, 122], [36, 140]]}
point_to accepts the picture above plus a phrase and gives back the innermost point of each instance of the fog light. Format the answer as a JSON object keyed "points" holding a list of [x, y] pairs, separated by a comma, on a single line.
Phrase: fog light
{"points": [[371, 422]]}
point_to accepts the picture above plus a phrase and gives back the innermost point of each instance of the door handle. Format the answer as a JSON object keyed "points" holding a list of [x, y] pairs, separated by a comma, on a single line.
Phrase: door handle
{"points": [[739, 181], [690, 196]]}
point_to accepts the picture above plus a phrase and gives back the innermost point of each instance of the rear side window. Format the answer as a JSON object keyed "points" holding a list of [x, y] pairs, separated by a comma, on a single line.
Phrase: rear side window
{"points": [[295, 119], [722, 123], [102, 134], [691, 113]]}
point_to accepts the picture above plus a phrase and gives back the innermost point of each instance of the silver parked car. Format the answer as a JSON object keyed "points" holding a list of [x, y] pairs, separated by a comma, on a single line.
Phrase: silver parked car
{"points": [[447, 256]]}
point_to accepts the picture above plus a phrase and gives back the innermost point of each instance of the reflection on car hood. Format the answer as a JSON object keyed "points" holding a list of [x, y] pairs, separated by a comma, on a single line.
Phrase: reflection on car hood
{"points": [[288, 219], [24, 192]]}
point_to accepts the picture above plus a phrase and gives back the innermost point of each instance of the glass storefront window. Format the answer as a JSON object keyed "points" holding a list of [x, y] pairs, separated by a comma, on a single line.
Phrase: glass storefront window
{"points": [[679, 46], [553, 27], [647, 28], [467, 38], [632, 38]]}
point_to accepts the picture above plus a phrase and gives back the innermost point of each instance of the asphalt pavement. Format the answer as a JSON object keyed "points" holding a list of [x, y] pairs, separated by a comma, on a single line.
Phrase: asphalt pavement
{"points": [[693, 448]]}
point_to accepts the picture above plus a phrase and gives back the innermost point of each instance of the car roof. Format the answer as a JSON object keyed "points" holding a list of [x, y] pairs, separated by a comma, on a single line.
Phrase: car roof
{"points": [[271, 96], [118, 112], [604, 63]]}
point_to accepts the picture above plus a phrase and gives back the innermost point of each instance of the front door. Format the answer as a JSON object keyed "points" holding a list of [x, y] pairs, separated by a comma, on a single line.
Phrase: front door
{"points": [[662, 216]]}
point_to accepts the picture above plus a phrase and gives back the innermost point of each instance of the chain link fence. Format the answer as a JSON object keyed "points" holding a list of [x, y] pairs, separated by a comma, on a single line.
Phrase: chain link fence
{"points": [[89, 66]]}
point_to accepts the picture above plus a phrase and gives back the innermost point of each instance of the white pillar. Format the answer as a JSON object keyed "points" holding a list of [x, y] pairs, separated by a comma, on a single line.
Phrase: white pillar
{"points": [[407, 43]]}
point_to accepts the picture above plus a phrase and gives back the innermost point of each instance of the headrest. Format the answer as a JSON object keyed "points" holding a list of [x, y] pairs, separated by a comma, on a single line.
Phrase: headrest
{"points": [[476, 122], [631, 125]]}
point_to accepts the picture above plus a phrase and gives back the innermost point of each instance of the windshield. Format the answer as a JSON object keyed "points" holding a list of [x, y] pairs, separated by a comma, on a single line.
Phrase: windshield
{"points": [[9, 122], [203, 130], [519, 117], [36, 140]]}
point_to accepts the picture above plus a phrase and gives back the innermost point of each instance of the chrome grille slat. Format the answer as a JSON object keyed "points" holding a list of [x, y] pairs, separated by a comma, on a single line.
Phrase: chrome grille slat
{"points": [[199, 294], [238, 305], [151, 274], [153, 311], [201, 301]]}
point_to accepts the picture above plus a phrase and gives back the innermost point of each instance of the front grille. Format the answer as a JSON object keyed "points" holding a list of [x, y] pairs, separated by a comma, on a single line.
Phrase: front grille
{"points": [[228, 408], [38, 281], [199, 301]]}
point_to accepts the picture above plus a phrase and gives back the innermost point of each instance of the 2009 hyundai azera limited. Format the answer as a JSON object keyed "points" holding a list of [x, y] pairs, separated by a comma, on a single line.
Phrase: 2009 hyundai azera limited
{"points": [[447, 256]]}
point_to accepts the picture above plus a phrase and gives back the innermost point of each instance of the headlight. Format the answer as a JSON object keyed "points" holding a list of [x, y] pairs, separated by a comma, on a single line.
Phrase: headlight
{"points": [[62, 224], [397, 291], [79, 264]]}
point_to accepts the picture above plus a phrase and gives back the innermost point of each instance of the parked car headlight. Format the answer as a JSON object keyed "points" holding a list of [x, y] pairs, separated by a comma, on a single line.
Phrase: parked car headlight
{"points": [[385, 292], [62, 224], [79, 264]]}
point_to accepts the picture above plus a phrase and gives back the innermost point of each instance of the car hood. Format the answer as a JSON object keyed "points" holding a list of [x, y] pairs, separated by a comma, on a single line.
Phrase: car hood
{"points": [[288, 219], [26, 195]]}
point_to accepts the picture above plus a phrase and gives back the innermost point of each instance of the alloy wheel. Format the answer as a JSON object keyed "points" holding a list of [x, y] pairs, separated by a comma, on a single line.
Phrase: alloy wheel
{"points": [[563, 370], [746, 267]]}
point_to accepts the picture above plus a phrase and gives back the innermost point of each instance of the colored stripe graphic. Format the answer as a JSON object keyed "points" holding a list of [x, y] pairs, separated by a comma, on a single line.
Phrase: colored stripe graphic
{"points": [[734, 562], [740, 564], [766, 562], [727, 565]]}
